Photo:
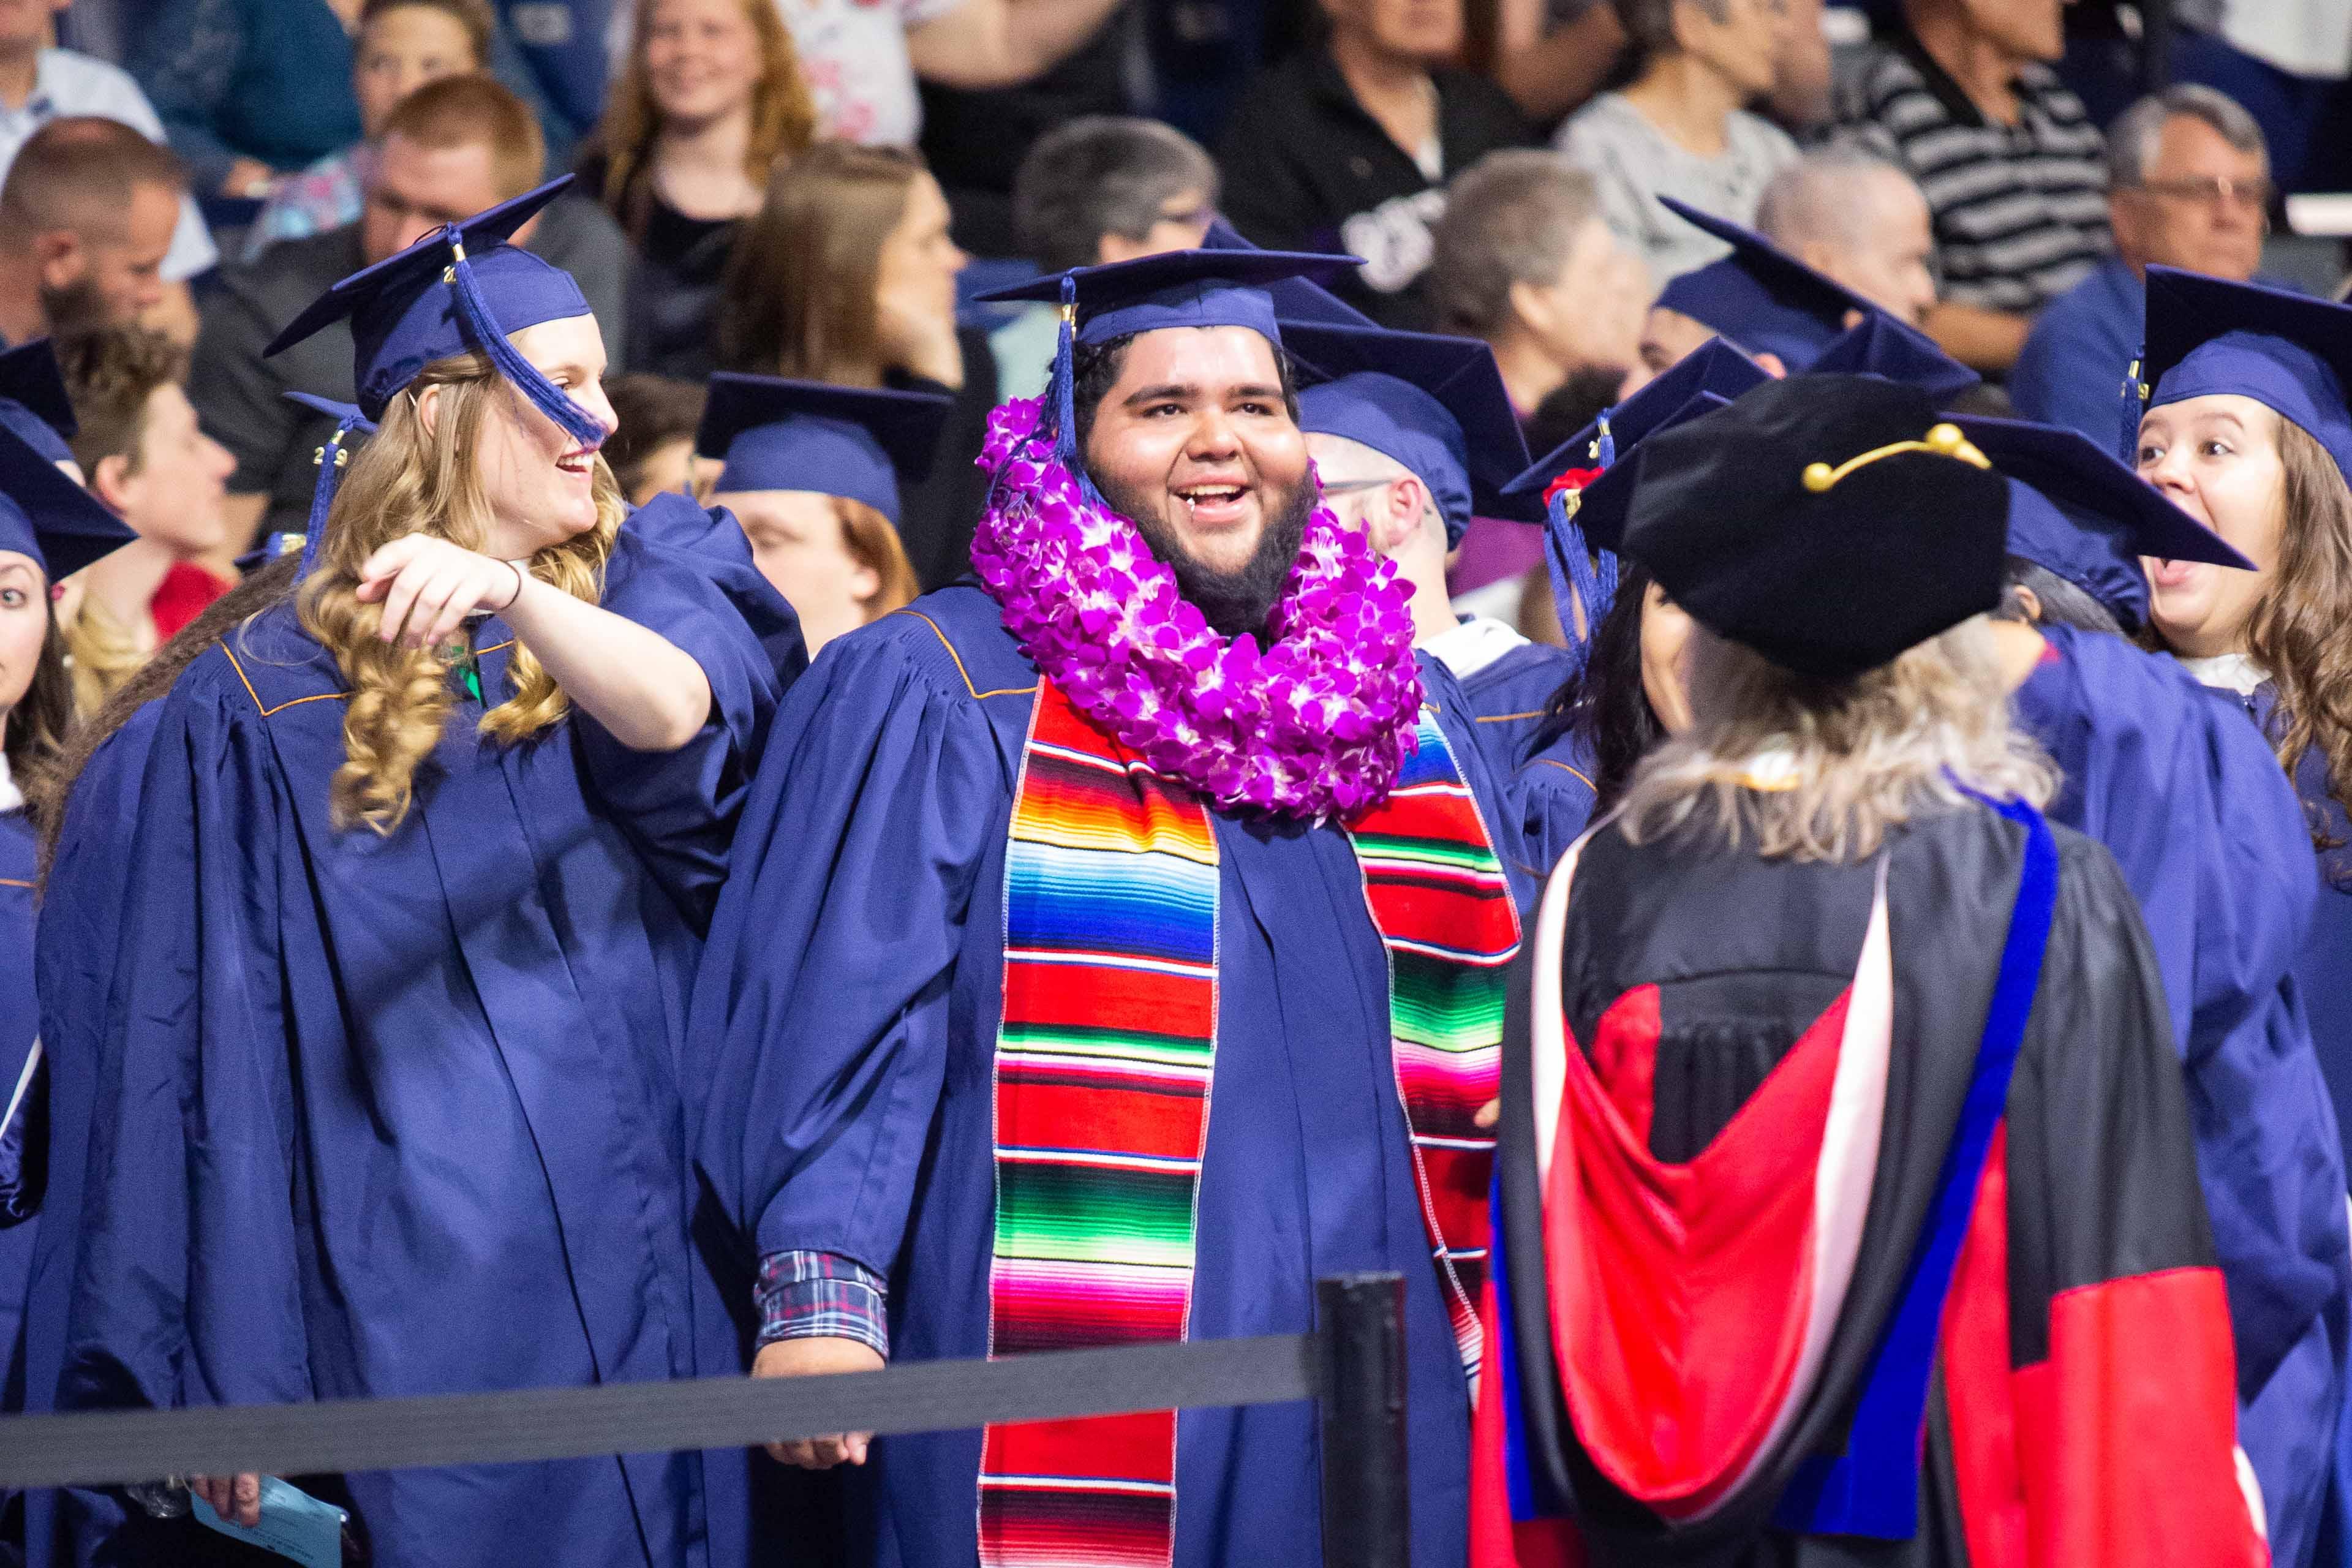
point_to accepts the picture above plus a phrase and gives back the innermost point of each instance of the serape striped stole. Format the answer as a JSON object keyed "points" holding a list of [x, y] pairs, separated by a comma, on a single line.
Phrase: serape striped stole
{"points": [[1105, 1058]]}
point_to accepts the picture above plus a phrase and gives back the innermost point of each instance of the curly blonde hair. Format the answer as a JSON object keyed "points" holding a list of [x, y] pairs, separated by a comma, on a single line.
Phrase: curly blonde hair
{"points": [[407, 480], [1846, 760]]}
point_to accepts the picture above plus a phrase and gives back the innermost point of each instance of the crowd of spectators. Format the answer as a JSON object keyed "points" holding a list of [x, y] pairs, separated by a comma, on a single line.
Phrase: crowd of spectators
{"points": [[818, 188]]}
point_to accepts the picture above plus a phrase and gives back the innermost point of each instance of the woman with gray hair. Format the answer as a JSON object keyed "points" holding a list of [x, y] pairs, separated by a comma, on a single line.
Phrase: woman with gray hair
{"points": [[1846, 1179]]}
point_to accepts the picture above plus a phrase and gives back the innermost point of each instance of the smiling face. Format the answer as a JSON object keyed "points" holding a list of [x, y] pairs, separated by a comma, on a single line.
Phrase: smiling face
{"points": [[1195, 441], [702, 59], [24, 626], [2215, 457], [539, 481]]}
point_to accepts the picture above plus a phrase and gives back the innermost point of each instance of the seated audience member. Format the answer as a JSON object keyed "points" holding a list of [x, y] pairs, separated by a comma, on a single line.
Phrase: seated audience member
{"points": [[38, 84], [249, 90], [1678, 128], [1962, 99], [1347, 144], [450, 149], [1099, 189], [652, 449], [143, 455], [2188, 186], [1770, 305], [811, 472], [1525, 262], [848, 276], [1800, 102], [710, 100], [1552, 54], [87, 216], [861, 57], [1858, 220], [402, 45]]}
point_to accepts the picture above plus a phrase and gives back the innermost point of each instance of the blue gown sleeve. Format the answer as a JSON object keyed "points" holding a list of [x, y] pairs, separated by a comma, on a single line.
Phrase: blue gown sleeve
{"points": [[2181, 788], [680, 808], [186, 1291], [824, 988]]}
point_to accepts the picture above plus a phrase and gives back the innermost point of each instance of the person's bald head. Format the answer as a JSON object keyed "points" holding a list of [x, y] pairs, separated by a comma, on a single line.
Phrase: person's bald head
{"points": [[1859, 219], [89, 207]]}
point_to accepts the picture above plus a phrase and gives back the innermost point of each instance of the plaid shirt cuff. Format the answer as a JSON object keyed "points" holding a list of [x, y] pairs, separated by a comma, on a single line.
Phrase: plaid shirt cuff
{"points": [[816, 1295]]}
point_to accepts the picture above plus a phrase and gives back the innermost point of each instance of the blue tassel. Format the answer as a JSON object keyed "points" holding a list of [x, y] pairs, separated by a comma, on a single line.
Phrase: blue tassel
{"points": [[1066, 415], [1605, 449], [331, 459], [1575, 581], [545, 395]]}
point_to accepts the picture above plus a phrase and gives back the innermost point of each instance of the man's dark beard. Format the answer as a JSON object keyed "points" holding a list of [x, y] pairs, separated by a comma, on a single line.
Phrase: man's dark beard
{"points": [[78, 307], [1237, 601]]}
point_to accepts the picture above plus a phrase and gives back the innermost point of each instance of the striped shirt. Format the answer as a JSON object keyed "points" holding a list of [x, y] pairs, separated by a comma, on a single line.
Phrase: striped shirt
{"points": [[2020, 211]]}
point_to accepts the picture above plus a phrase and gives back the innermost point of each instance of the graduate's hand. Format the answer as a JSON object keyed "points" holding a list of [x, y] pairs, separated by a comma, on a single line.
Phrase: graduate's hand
{"points": [[429, 586], [1488, 1115], [236, 1498], [815, 1358]]}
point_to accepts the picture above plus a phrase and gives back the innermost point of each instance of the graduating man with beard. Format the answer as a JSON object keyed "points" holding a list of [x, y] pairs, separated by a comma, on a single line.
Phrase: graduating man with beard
{"points": [[1114, 945]]}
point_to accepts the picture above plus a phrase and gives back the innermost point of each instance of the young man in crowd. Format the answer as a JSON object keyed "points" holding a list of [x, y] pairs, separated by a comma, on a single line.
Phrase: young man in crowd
{"points": [[1116, 967], [39, 83], [1097, 189], [2188, 186], [87, 216], [452, 148], [1347, 145], [1961, 96]]}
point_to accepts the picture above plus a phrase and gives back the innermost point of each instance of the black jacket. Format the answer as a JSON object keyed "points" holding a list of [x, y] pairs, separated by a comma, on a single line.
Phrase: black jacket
{"points": [[1304, 168]]}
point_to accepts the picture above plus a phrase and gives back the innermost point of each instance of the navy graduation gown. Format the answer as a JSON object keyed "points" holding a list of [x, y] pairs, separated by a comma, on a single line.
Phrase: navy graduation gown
{"points": [[1556, 796], [851, 993], [22, 1155], [382, 1116], [1511, 695], [81, 921], [2186, 796]]}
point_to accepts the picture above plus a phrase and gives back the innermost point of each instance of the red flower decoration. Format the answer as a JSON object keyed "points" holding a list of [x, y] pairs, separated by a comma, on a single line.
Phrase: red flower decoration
{"points": [[1570, 479]]}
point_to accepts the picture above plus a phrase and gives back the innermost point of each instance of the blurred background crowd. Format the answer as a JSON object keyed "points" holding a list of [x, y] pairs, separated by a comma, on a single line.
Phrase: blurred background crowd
{"points": [[818, 188]]}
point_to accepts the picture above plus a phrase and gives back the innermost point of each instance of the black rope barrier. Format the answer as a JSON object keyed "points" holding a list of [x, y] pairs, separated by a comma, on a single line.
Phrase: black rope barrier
{"points": [[1354, 1364]]}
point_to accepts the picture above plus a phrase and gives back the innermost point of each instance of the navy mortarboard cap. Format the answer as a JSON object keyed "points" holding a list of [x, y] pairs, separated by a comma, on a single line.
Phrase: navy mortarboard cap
{"points": [[850, 441], [1760, 297], [461, 288], [331, 458], [1598, 508], [2291, 354], [34, 402], [1176, 288], [1715, 367], [1294, 298], [2080, 513], [1829, 522], [1881, 346], [47, 516], [1708, 376], [1436, 404]]}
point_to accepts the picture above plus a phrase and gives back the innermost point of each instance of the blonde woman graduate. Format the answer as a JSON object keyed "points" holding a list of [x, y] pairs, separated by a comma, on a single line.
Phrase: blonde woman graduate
{"points": [[392, 1101]]}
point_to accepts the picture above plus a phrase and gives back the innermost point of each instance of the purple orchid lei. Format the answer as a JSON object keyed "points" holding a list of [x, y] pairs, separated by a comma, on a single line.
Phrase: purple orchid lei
{"points": [[1317, 726]]}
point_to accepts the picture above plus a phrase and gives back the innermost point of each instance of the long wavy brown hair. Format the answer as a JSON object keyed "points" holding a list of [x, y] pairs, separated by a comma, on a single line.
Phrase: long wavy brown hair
{"points": [[783, 115], [407, 481], [41, 724], [2300, 631], [801, 286]]}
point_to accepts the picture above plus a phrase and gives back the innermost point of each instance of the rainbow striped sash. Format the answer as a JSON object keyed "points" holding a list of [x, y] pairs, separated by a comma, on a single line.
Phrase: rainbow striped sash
{"points": [[1104, 1063]]}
